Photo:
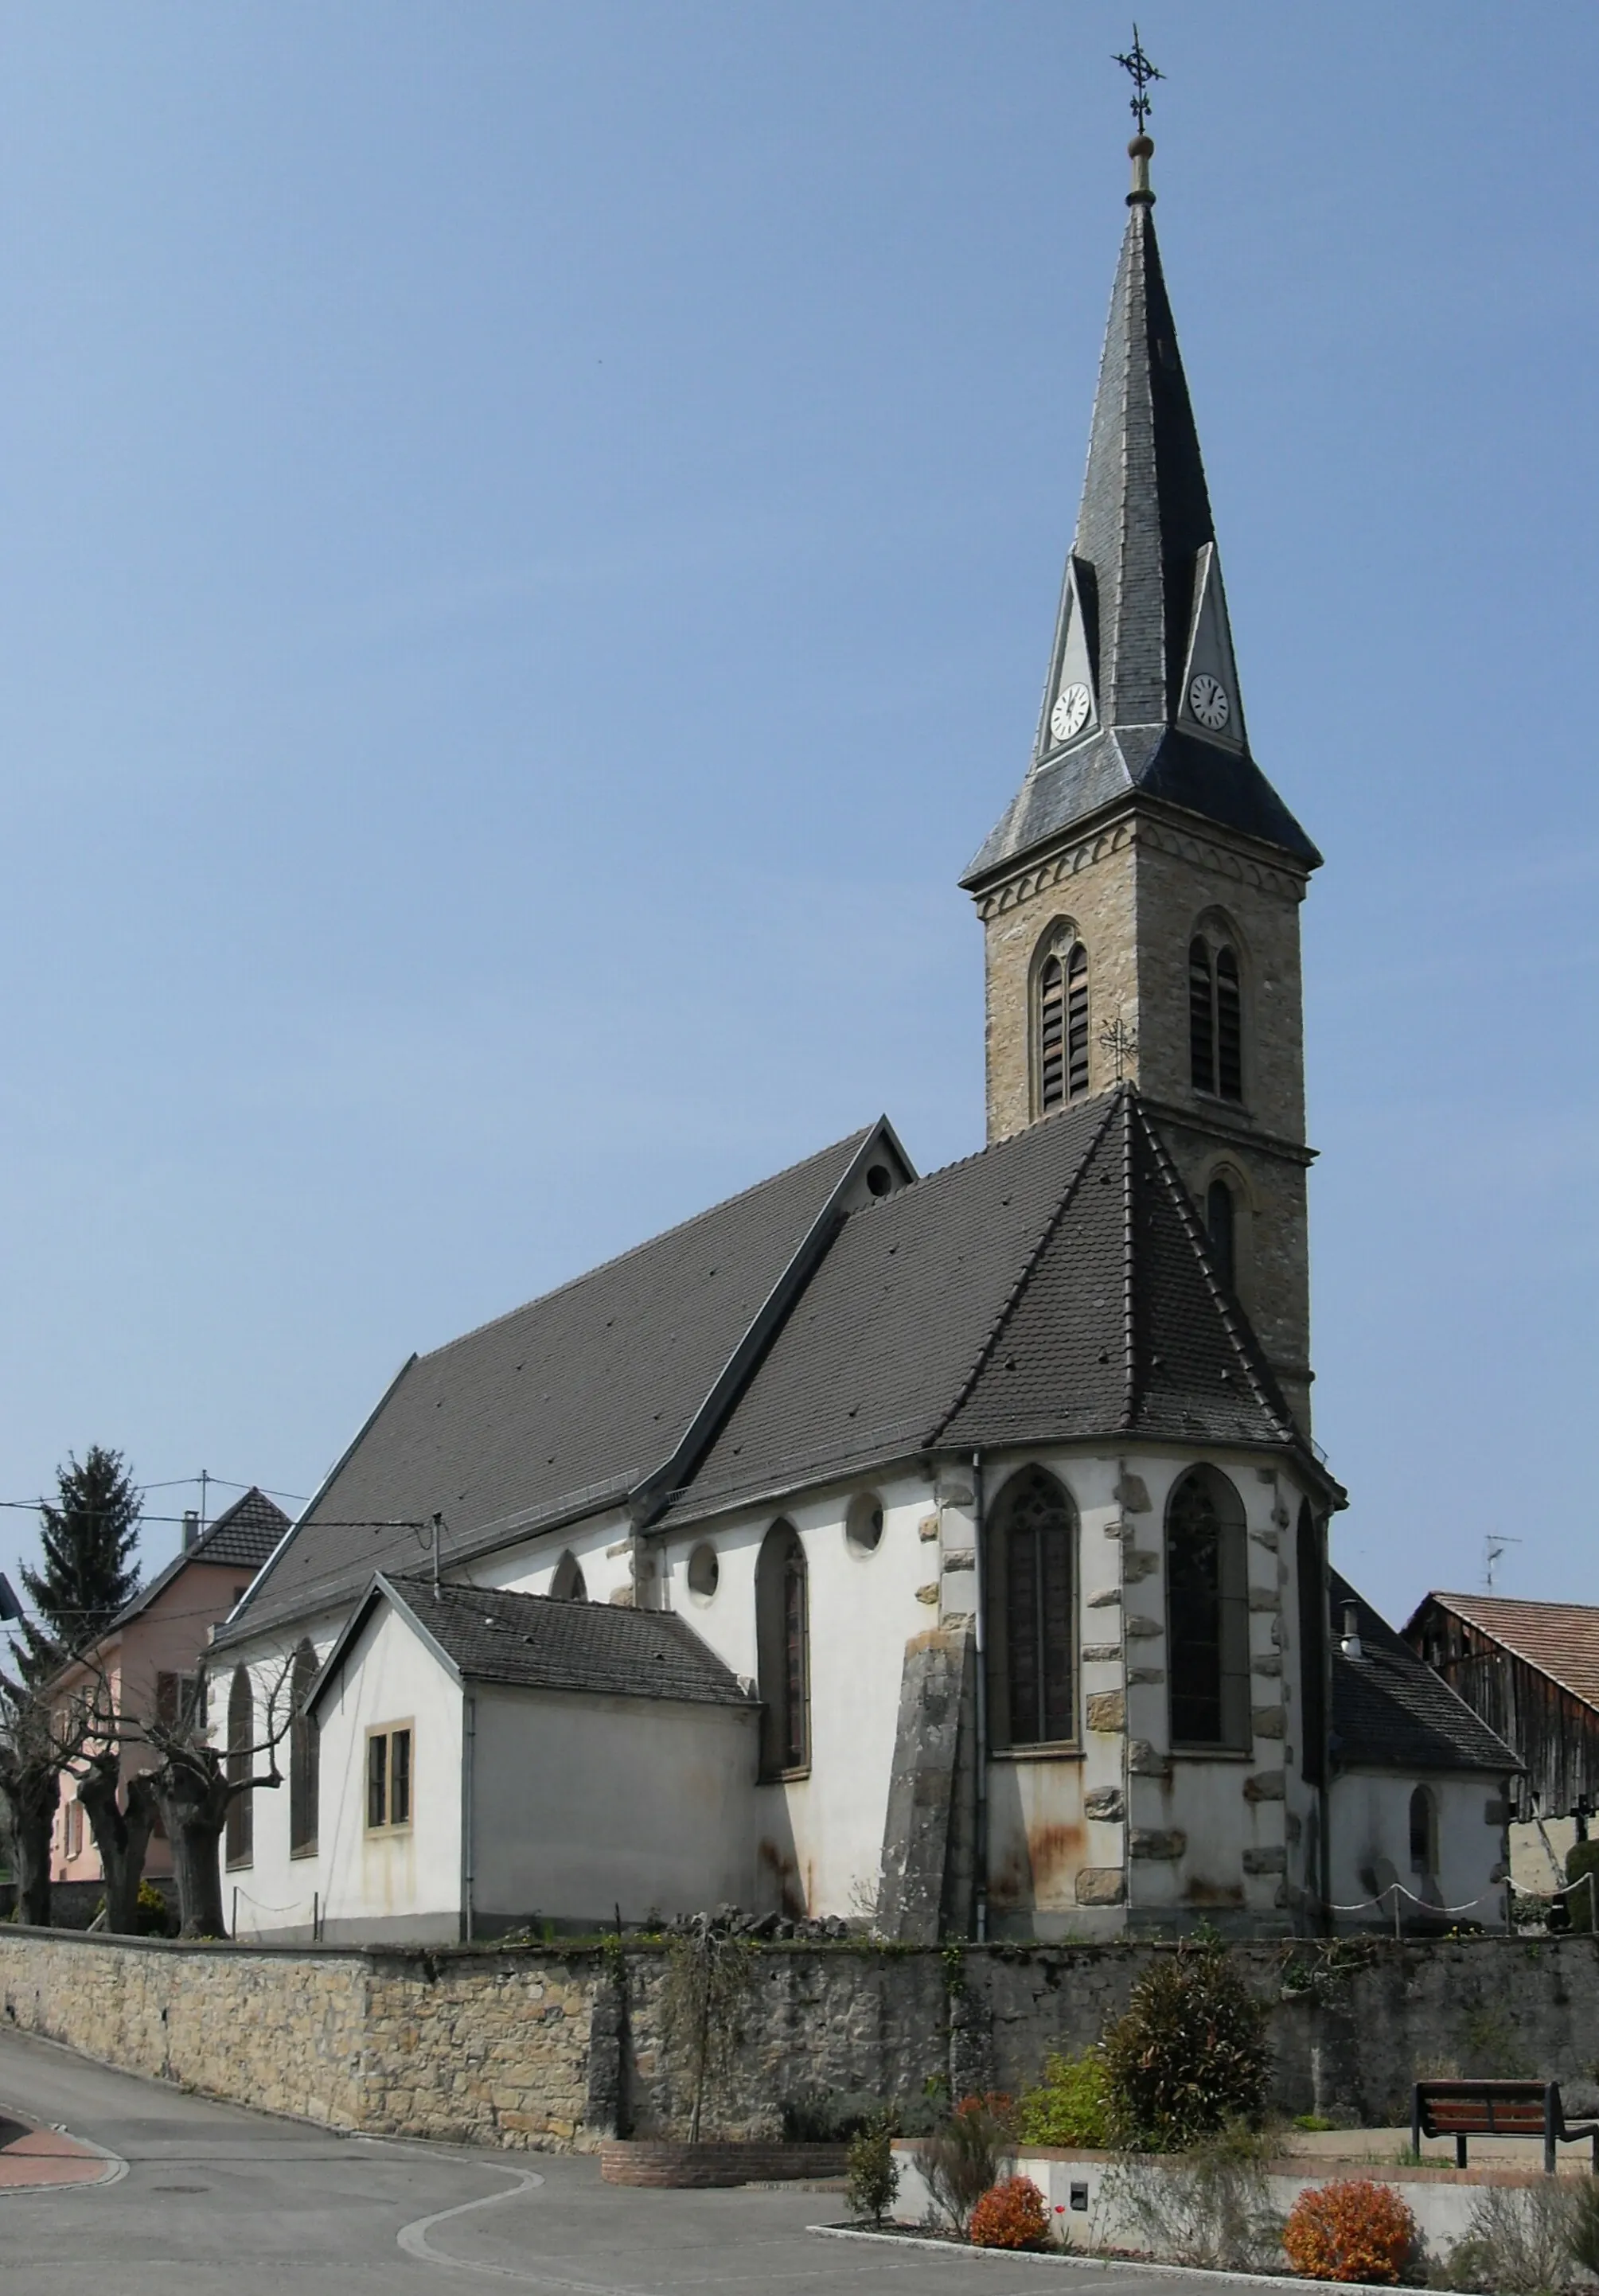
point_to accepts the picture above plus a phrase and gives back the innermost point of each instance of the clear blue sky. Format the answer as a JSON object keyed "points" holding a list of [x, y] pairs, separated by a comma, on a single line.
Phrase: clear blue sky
{"points": [[528, 543]]}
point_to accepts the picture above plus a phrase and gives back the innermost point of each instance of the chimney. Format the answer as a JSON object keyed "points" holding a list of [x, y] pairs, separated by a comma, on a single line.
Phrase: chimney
{"points": [[191, 1526], [1350, 1642]]}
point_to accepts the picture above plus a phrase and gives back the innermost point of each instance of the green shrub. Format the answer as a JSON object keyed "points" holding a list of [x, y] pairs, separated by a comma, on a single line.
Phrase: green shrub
{"points": [[873, 2178], [1071, 2105], [1190, 2057], [1582, 1857], [152, 1917]]}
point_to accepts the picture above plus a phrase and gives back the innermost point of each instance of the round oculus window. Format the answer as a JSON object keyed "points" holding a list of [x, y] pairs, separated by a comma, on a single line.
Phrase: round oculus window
{"points": [[863, 1524], [704, 1572]]}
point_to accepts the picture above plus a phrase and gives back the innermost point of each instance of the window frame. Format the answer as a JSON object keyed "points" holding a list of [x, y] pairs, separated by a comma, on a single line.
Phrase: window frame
{"points": [[389, 1827], [1424, 1794], [305, 1758], [783, 1654], [998, 1605], [1215, 1015], [1059, 1037], [1234, 1686], [239, 1827]]}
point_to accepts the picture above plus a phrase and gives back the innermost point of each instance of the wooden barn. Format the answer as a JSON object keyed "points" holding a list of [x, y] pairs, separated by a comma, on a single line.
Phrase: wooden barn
{"points": [[1531, 1671]]}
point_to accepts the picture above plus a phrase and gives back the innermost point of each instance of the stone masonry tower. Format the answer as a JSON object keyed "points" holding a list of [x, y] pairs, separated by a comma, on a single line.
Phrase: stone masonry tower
{"points": [[1140, 898]]}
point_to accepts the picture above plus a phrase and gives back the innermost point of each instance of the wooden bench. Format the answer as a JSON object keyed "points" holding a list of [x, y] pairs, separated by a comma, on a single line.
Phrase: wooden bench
{"points": [[1495, 2108]]}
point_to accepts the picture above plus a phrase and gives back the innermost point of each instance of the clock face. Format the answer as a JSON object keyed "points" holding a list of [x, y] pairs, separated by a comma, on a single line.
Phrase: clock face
{"points": [[1071, 712], [1208, 700]]}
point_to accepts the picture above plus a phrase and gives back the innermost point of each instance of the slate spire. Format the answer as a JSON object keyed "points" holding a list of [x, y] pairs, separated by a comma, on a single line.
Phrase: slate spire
{"points": [[1141, 690]]}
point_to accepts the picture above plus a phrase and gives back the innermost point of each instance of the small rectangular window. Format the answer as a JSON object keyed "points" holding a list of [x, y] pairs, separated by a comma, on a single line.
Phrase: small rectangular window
{"points": [[389, 1777], [399, 1778], [75, 1829]]}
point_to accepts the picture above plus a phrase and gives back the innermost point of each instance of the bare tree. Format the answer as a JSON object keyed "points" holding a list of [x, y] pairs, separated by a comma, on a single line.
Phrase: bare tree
{"points": [[91, 1743], [194, 1785], [30, 1769]]}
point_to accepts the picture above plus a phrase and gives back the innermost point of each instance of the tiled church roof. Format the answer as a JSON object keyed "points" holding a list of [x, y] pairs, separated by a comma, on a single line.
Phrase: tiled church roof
{"points": [[1056, 1286], [563, 1404], [1052, 1288]]}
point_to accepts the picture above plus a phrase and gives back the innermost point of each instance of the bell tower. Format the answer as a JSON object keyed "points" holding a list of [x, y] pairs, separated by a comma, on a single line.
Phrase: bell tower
{"points": [[1140, 898]]}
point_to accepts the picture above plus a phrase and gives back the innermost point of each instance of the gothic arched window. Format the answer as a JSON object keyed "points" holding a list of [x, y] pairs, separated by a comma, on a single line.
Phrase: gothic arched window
{"points": [[1215, 1018], [1313, 1648], [1221, 1223], [1424, 1831], [240, 1750], [783, 1652], [568, 1583], [1029, 1554], [1208, 1618], [1063, 1023], [303, 1746]]}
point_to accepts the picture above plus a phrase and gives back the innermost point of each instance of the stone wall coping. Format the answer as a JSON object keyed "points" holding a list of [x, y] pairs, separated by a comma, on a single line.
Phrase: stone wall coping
{"points": [[1301, 2167], [1072, 1952]]}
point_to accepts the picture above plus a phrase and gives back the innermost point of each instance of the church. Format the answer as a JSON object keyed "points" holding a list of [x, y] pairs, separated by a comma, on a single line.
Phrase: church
{"points": [[945, 1553]]}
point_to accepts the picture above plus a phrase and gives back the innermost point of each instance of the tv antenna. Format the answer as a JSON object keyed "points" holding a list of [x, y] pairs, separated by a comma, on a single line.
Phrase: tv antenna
{"points": [[1493, 1547]]}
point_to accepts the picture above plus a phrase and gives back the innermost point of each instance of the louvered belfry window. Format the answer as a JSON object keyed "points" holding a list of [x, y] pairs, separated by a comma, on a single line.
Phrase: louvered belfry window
{"points": [[1064, 1026], [1215, 1020], [1032, 1553]]}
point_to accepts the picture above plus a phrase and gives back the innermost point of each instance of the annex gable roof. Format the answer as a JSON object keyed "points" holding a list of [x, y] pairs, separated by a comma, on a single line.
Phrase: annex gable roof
{"points": [[1391, 1711], [1055, 1286], [1560, 1639], [533, 1642], [579, 1400]]}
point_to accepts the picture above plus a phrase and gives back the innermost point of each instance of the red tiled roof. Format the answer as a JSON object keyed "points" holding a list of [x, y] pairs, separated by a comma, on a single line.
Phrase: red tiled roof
{"points": [[1560, 1639]]}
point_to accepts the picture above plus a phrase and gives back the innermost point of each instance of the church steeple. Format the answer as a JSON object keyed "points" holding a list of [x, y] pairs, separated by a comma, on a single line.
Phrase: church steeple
{"points": [[1142, 690], [1140, 898]]}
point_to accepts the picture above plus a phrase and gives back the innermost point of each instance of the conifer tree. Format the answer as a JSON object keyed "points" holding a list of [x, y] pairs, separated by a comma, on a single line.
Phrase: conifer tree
{"points": [[89, 1536]]}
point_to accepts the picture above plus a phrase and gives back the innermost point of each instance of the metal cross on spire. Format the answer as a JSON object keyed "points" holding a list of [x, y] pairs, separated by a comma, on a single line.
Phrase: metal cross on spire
{"points": [[1141, 71]]}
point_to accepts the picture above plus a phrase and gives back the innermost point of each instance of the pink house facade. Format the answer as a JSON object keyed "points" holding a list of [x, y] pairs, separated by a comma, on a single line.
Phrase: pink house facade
{"points": [[150, 1655]]}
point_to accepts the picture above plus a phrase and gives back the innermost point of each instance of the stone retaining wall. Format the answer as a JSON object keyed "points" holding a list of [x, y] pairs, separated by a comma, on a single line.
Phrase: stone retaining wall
{"points": [[559, 2047]]}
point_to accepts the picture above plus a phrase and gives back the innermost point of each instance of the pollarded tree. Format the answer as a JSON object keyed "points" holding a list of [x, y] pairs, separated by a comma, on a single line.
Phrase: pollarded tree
{"points": [[195, 1785], [91, 1742], [89, 1534], [30, 1790]]}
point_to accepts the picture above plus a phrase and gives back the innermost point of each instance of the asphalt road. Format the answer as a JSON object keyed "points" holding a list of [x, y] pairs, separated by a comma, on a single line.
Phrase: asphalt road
{"points": [[215, 2198]]}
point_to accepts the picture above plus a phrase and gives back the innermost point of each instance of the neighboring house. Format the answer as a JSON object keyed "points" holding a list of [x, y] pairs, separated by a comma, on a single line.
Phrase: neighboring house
{"points": [[1423, 1790], [971, 1526], [149, 1655], [1531, 1671]]}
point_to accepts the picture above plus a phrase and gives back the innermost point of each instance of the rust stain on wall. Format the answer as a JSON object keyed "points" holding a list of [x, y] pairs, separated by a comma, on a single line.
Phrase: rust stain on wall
{"points": [[1056, 1852], [1198, 1891], [786, 1875]]}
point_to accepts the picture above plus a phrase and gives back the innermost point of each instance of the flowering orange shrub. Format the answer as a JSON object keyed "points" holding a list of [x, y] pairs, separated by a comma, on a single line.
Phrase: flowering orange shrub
{"points": [[1354, 2231], [1011, 2214]]}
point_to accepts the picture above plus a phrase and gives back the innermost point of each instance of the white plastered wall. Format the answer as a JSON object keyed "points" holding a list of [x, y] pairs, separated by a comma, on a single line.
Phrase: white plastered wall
{"points": [[584, 1803], [405, 1884], [818, 1840], [272, 1895], [1371, 1844]]}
